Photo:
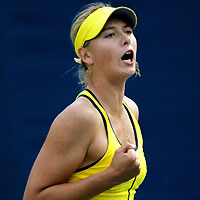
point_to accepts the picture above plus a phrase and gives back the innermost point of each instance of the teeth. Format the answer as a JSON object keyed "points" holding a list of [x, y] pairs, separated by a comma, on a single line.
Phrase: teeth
{"points": [[127, 57]]}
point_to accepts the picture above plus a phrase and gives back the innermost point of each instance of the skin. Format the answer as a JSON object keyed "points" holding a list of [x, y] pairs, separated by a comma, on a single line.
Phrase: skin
{"points": [[70, 145]]}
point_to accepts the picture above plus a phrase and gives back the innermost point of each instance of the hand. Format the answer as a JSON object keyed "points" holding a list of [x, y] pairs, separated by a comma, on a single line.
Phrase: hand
{"points": [[125, 164]]}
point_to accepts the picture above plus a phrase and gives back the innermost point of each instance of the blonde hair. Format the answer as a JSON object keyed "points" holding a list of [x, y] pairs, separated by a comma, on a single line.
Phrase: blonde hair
{"points": [[83, 71]]}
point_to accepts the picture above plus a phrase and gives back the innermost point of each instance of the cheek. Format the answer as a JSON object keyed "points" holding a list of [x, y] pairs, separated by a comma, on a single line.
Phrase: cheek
{"points": [[105, 53], [134, 43]]}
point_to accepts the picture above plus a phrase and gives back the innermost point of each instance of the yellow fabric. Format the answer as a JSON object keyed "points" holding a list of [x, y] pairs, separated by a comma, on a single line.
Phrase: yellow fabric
{"points": [[94, 23], [122, 191]]}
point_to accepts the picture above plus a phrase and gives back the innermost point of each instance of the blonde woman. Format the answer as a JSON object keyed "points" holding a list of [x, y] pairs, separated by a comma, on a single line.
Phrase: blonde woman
{"points": [[94, 148]]}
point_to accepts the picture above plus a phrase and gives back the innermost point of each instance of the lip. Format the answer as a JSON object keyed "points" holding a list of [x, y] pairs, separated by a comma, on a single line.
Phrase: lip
{"points": [[129, 62]]}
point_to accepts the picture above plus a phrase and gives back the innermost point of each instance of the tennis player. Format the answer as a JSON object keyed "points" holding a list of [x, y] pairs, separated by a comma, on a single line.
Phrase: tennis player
{"points": [[94, 148]]}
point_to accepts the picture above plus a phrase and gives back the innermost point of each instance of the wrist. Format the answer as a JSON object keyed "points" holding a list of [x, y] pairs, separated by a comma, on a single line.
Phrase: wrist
{"points": [[111, 177]]}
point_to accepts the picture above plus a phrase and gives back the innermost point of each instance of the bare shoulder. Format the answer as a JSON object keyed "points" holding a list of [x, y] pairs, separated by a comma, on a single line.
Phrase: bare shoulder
{"points": [[75, 121], [133, 106], [67, 142]]}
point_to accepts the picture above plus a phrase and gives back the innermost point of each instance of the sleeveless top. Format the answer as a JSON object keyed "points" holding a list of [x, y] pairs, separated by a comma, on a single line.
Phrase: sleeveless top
{"points": [[126, 190]]}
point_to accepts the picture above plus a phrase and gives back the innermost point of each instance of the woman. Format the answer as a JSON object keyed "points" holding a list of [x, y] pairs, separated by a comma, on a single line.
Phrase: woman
{"points": [[94, 148]]}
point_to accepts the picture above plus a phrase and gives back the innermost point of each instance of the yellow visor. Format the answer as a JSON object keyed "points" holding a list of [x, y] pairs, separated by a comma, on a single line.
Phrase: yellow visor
{"points": [[95, 22]]}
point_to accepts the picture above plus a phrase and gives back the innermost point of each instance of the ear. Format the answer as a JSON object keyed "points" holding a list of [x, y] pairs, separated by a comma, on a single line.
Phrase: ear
{"points": [[85, 56]]}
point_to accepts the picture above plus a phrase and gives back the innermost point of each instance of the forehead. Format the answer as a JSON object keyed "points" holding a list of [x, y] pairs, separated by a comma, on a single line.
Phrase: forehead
{"points": [[114, 22], [117, 20]]}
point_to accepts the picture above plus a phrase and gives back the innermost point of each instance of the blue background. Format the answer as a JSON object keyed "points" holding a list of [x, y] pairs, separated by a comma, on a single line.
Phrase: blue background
{"points": [[35, 53]]}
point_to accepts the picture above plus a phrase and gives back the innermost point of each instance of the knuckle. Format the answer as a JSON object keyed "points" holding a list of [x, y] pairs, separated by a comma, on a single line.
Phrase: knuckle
{"points": [[138, 163], [135, 159], [139, 169]]}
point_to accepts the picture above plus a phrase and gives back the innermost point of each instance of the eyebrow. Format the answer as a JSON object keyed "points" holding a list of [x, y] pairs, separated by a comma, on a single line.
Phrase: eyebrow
{"points": [[113, 27], [107, 28]]}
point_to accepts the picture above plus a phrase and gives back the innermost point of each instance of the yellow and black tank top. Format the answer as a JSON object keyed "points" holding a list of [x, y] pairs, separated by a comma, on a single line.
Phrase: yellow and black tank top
{"points": [[126, 190]]}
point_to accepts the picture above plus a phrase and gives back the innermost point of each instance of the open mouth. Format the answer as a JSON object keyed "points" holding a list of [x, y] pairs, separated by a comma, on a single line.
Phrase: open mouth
{"points": [[128, 56]]}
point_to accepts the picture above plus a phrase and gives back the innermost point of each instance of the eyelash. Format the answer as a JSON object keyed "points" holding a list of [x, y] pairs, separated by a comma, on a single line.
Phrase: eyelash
{"points": [[128, 32], [110, 35]]}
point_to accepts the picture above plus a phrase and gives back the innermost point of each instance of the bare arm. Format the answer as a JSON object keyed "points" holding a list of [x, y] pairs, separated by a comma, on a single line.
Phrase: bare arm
{"points": [[63, 152]]}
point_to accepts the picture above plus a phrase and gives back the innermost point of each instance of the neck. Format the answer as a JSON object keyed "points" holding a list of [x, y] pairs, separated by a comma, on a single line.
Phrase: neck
{"points": [[109, 94]]}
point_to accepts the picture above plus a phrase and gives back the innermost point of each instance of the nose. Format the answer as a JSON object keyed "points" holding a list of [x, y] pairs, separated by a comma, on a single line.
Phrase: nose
{"points": [[125, 39]]}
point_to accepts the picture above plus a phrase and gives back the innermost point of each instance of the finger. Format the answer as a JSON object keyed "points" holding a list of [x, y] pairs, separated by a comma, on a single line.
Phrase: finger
{"points": [[136, 155], [129, 147], [131, 152], [125, 147]]}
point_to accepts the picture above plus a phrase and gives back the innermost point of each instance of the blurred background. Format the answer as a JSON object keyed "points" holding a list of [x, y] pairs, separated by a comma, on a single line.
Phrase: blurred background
{"points": [[35, 53]]}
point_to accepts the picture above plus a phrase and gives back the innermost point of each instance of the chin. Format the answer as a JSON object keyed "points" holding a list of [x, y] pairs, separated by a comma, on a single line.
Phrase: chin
{"points": [[130, 71]]}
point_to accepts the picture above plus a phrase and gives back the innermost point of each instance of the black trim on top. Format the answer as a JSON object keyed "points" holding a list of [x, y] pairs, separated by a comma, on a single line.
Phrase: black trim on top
{"points": [[88, 166], [129, 114], [105, 124], [105, 112], [114, 131], [94, 96], [104, 121], [131, 188], [132, 122], [93, 103]]}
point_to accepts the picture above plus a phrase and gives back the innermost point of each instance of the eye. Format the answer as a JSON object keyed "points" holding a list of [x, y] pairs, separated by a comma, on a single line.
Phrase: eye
{"points": [[110, 35], [129, 31]]}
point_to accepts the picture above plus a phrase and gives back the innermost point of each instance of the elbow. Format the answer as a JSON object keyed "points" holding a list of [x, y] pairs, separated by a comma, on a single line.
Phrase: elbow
{"points": [[28, 196], [31, 195]]}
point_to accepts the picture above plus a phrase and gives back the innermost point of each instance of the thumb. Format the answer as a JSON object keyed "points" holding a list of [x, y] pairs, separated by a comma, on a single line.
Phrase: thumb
{"points": [[127, 146]]}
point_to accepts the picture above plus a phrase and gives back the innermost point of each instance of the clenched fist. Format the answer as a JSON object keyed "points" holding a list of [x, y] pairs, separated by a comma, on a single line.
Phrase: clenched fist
{"points": [[125, 163]]}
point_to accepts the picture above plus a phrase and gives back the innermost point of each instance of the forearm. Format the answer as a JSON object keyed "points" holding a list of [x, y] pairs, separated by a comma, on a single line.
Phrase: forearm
{"points": [[124, 166], [80, 190]]}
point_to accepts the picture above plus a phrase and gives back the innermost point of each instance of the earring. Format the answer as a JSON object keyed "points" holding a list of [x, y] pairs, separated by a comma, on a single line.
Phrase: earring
{"points": [[137, 70]]}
